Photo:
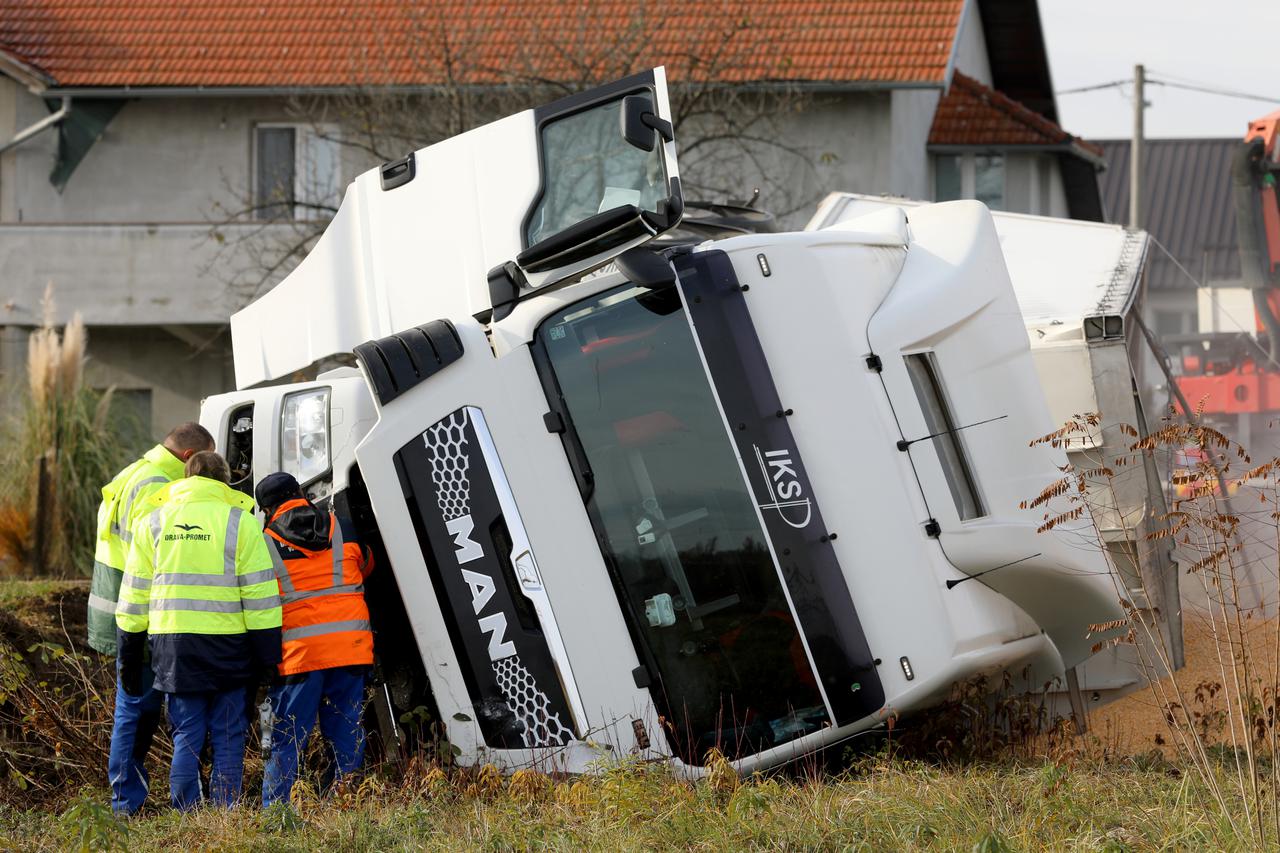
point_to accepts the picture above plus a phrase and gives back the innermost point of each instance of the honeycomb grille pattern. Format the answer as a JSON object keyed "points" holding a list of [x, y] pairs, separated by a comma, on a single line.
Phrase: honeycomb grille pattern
{"points": [[542, 727], [447, 441]]}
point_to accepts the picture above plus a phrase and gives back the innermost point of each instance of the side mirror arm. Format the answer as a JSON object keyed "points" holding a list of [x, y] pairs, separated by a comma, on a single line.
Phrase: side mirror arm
{"points": [[664, 128]]}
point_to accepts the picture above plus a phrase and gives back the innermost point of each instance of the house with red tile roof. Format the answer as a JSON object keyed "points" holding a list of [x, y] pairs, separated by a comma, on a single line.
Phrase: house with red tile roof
{"points": [[127, 127]]}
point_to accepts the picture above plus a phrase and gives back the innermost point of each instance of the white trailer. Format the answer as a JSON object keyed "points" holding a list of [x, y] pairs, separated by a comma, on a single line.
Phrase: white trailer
{"points": [[759, 494]]}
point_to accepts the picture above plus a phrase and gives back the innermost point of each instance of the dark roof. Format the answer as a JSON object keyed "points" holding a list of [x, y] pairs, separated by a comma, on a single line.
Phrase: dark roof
{"points": [[1187, 206], [1016, 52]]}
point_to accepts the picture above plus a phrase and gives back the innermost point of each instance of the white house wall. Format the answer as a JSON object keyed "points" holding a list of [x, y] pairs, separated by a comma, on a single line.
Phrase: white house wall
{"points": [[912, 116], [971, 46]]}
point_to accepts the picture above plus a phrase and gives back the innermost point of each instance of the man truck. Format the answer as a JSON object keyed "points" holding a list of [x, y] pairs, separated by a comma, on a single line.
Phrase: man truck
{"points": [[633, 497]]}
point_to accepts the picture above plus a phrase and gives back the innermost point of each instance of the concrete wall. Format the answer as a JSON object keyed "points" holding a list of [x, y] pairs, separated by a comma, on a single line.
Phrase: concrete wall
{"points": [[124, 274], [174, 366], [178, 373], [159, 160]]}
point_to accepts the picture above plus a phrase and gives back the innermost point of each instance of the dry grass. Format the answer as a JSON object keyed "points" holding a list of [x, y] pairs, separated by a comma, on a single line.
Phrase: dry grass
{"points": [[1136, 723], [883, 805]]}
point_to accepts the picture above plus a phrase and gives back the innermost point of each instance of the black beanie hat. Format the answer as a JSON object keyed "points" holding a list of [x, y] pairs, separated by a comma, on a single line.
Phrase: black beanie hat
{"points": [[275, 489]]}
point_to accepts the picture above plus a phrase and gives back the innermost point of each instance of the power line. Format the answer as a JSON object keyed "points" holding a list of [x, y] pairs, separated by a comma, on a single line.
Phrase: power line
{"points": [[1112, 85], [1224, 93], [1173, 83]]}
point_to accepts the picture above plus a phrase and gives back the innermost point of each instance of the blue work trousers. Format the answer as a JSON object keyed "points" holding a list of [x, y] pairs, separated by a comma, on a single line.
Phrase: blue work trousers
{"points": [[220, 717], [134, 727], [336, 696]]}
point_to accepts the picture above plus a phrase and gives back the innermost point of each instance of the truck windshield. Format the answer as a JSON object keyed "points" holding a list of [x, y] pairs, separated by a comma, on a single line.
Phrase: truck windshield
{"points": [[681, 533]]}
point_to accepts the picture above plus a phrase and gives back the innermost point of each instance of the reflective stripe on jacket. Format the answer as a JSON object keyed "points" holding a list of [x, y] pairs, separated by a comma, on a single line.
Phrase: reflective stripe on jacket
{"points": [[121, 500], [326, 620], [200, 585]]}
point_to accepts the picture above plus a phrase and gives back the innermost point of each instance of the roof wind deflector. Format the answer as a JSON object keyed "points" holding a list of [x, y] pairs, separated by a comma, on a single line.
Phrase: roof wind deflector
{"points": [[394, 364], [397, 173]]}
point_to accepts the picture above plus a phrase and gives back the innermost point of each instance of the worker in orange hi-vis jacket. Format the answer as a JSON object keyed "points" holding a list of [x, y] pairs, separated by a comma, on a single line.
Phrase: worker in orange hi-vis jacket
{"points": [[327, 638]]}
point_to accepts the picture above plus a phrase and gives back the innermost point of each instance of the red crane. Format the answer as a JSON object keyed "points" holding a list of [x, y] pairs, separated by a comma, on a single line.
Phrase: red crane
{"points": [[1232, 379]]}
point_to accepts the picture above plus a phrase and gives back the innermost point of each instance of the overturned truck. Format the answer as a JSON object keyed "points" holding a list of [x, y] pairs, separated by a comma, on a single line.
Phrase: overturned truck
{"points": [[758, 494]]}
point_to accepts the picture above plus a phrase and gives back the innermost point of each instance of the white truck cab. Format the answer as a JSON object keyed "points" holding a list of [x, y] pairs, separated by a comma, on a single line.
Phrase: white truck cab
{"points": [[758, 494]]}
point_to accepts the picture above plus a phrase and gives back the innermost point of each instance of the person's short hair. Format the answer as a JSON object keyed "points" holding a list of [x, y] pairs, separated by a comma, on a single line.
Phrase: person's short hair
{"points": [[210, 464], [189, 436]]}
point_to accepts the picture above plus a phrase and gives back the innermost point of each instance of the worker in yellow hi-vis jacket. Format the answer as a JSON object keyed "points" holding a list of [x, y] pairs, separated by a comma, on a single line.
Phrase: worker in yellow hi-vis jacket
{"points": [[135, 718], [199, 589]]}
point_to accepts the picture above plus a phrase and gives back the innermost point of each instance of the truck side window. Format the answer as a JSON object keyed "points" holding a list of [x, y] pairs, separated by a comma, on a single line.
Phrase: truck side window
{"points": [[239, 444], [588, 168], [923, 370]]}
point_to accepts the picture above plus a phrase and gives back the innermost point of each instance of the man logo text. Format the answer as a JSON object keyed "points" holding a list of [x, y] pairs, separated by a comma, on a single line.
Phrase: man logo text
{"points": [[481, 585]]}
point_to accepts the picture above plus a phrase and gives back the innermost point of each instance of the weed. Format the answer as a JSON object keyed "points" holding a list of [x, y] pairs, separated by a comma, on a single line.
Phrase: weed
{"points": [[280, 819], [93, 827], [991, 842], [1223, 727]]}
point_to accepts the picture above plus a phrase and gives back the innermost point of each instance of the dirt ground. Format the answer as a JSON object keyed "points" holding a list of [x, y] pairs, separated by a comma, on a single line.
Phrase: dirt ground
{"points": [[1135, 724]]}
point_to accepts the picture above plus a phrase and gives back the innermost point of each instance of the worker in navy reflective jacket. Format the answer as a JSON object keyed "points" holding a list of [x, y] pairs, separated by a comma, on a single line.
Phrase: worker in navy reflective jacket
{"points": [[199, 589], [328, 642]]}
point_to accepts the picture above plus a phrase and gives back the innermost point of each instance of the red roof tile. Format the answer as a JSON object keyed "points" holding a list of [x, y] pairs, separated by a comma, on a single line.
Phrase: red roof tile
{"points": [[305, 43], [973, 114]]}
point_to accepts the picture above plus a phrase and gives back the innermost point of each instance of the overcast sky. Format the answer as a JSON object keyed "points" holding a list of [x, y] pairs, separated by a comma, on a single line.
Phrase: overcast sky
{"points": [[1226, 44]]}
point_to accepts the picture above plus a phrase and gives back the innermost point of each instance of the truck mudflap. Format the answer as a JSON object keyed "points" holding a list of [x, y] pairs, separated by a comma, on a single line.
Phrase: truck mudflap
{"points": [[799, 539], [465, 518]]}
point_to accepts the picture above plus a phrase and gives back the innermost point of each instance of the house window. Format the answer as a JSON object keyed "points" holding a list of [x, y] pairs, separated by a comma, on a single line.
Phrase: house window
{"points": [[988, 180], [949, 184], [923, 369], [976, 176], [296, 171]]}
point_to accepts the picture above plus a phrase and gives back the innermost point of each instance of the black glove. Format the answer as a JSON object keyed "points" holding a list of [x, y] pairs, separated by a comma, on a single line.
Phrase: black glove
{"points": [[131, 680], [131, 651]]}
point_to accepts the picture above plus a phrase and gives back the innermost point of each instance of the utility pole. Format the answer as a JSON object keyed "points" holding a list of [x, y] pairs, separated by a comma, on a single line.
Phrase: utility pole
{"points": [[1135, 155]]}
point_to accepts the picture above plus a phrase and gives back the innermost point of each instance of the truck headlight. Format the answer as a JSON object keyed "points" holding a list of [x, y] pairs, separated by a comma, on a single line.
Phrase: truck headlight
{"points": [[304, 435]]}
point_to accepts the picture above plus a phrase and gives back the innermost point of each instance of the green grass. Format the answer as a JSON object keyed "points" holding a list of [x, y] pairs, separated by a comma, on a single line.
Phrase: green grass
{"points": [[18, 591], [886, 805]]}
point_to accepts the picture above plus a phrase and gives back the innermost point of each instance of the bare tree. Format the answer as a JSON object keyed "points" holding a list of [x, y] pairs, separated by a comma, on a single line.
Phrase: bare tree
{"points": [[729, 98]]}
